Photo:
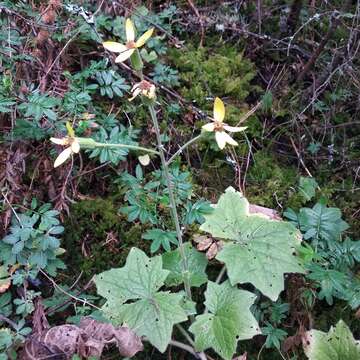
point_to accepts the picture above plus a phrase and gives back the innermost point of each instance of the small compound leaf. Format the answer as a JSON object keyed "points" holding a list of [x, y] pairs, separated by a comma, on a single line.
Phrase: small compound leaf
{"points": [[262, 250], [322, 223], [228, 321], [197, 263], [337, 344], [5, 279], [307, 187]]}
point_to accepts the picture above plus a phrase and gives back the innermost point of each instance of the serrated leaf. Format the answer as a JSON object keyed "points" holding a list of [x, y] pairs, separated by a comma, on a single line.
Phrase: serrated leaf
{"points": [[197, 263], [261, 250], [228, 321], [154, 313], [160, 237], [322, 223], [337, 344], [307, 187], [153, 318]]}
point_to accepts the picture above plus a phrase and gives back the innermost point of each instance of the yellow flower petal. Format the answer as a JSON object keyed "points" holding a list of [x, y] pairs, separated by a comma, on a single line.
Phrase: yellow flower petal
{"points": [[70, 129], [220, 137], [144, 38], [63, 156], [135, 87], [75, 146], [130, 30], [151, 92], [124, 55], [63, 141], [114, 46], [135, 93], [209, 127], [219, 110], [234, 129], [229, 139]]}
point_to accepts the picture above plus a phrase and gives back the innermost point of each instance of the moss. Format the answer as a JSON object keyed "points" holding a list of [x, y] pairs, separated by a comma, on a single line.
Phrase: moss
{"points": [[270, 184], [204, 73], [97, 237]]}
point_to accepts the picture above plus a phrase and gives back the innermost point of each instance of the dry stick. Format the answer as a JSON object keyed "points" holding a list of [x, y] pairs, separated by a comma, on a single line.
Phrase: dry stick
{"points": [[258, 10], [188, 348], [294, 14], [249, 113], [318, 51], [53, 309], [196, 11], [301, 160], [84, 301], [12, 209]]}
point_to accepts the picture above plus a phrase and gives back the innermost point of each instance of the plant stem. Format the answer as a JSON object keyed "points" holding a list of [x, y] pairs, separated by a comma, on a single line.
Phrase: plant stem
{"points": [[221, 274], [187, 348], [182, 148], [185, 334], [127, 146], [172, 200]]}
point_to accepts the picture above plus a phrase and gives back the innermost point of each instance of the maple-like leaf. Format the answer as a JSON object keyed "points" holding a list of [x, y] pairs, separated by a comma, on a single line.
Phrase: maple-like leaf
{"points": [[151, 313], [337, 344], [260, 250], [228, 321]]}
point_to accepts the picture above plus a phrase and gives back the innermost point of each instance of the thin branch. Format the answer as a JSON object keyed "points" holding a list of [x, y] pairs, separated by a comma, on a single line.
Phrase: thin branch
{"points": [[188, 348], [182, 148], [84, 301]]}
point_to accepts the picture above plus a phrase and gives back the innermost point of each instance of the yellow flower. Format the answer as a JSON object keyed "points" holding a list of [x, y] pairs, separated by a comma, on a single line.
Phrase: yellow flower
{"points": [[219, 127], [143, 87], [127, 50], [71, 141]]}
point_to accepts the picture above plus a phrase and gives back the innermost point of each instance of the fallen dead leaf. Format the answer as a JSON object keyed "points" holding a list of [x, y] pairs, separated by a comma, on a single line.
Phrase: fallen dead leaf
{"points": [[269, 213], [87, 339]]}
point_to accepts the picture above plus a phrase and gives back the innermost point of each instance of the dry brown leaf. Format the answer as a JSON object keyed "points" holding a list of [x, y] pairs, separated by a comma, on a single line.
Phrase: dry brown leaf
{"points": [[291, 343], [88, 339], [203, 242], [269, 213], [124, 338], [214, 249]]}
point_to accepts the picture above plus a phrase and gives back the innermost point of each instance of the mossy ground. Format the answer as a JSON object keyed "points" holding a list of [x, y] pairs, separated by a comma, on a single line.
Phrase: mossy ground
{"points": [[97, 237]]}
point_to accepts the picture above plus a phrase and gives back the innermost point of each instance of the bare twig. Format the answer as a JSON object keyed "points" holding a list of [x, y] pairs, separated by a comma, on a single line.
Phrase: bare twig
{"points": [[196, 11], [320, 48]]}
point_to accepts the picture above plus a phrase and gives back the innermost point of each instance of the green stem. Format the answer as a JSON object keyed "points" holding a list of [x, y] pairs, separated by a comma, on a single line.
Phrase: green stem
{"points": [[186, 335], [221, 274], [182, 148], [126, 146], [174, 213]]}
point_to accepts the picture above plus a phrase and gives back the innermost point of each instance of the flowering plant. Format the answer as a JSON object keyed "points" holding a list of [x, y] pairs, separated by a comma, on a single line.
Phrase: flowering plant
{"points": [[244, 242]]}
